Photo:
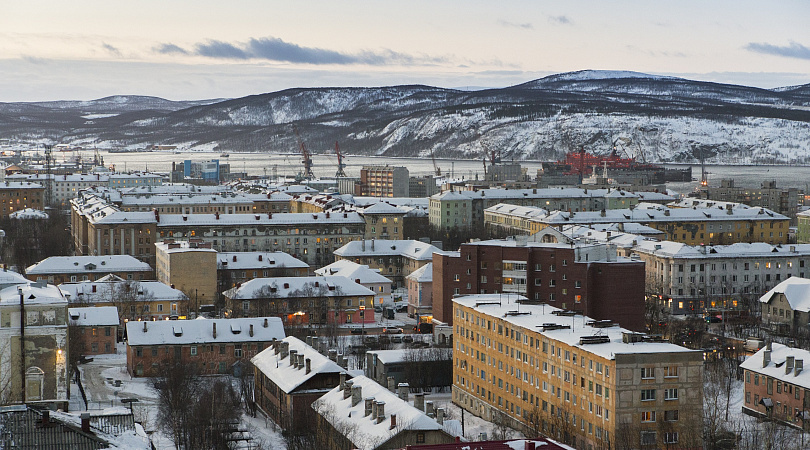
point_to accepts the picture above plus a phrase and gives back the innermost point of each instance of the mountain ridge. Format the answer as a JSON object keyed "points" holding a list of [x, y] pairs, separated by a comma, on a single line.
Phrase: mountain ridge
{"points": [[658, 118]]}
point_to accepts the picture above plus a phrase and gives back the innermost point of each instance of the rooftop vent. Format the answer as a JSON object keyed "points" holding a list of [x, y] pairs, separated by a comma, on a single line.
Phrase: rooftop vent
{"points": [[554, 326], [517, 313], [583, 340], [565, 313]]}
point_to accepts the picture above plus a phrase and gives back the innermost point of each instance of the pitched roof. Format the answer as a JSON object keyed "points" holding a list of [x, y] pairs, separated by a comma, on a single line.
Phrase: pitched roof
{"points": [[796, 291], [82, 264], [94, 316], [286, 287], [368, 434], [258, 260], [776, 367], [34, 293], [103, 291], [201, 331], [286, 376], [353, 271], [423, 274], [411, 249]]}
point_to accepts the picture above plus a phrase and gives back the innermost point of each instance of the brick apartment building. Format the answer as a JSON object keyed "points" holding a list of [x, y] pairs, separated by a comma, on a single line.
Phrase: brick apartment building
{"points": [[587, 278], [93, 329], [776, 386], [213, 346]]}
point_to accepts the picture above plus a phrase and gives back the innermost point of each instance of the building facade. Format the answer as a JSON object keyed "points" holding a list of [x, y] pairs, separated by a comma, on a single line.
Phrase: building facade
{"points": [[94, 330], [383, 181], [65, 269], [776, 386], [211, 346], [581, 381], [189, 266], [395, 259], [19, 195], [588, 278]]}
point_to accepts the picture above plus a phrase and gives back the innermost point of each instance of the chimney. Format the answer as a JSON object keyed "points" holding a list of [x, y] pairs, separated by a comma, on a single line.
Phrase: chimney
{"points": [[799, 367], [216, 214], [440, 416], [342, 381], [347, 389], [333, 354], [529, 445], [301, 362], [265, 322], [602, 213], [363, 245], [309, 365], [144, 325], [429, 408], [285, 349], [369, 402], [393, 422], [185, 218], [234, 258], [392, 385], [373, 409], [402, 391], [419, 401], [276, 346], [293, 357], [215, 331], [766, 358], [372, 244], [46, 417], [357, 394], [86, 422], [380, 412], [769, 346], [251, 330], [157, 216], [666, 212], [789, 364], [260, 257]]}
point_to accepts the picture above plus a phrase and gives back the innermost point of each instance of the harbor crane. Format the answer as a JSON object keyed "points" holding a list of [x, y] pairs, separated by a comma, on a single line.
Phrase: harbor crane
{"points": [[341, 165], [307, 173]]}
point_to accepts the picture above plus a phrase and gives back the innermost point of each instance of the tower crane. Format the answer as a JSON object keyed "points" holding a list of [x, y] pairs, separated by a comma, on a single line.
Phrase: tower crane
{"points": [[436, 169], [307, 173], [341, 165]]}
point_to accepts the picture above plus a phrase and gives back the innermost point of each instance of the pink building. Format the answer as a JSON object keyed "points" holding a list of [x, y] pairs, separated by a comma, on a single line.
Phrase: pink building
{"points": [[420, 291]]}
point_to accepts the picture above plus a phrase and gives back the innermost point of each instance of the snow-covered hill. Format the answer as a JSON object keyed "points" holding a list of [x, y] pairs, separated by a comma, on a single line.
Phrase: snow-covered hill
{"points": [[660, 119]]}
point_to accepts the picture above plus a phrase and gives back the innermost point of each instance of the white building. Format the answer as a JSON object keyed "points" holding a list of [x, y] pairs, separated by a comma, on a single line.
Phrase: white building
{"points": [[364, 276]]}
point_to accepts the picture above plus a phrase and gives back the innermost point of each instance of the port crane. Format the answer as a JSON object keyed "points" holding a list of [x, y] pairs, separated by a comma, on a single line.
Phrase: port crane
{"points": [[341, 165], [436, 169], [307, 173]]}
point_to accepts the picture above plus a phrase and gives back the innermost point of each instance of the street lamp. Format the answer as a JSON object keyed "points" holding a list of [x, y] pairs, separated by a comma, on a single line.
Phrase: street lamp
{"points": [[362, 320]]}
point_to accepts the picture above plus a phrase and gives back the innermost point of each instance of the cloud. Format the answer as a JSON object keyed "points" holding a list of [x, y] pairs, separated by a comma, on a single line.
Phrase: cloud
{"points": [[562, 20], [110, 49], [219, 49], [275, 49], [170, 49], [794, 50], [525, 26]]}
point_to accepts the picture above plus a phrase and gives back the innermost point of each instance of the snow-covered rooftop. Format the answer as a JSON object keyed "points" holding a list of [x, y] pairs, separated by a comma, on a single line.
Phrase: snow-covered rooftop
{"points": [[286, 376], [203, 331], [258, 260], [28, 213], [82, 264], [105, 291], [368, 434], [410, 354], [532, 317], [417, 250], [776, 367], [737, 250], [169, 220], [292, 287], [173, 246], [33, 294], [423, 274], [651, 212], [796, 291], [353, 271], [93, 316]]}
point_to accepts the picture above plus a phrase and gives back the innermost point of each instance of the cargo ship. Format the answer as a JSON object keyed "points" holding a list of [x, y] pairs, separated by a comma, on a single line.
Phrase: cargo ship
{"points": [[581, 164]]}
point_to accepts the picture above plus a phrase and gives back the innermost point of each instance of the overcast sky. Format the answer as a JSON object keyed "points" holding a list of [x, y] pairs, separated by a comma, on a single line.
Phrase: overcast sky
{"points": [[178, 49]]}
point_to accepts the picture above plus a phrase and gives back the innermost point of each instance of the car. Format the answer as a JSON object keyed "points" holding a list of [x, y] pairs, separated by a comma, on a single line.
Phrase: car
{"points": [[407, 339], [396, 339], [713, 319], [401, 308], [359, 331], [378, 309], [393, 330]]}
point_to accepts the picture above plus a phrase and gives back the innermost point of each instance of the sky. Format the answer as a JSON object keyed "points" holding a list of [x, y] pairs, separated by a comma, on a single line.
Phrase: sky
{"points": [[201, 49]]}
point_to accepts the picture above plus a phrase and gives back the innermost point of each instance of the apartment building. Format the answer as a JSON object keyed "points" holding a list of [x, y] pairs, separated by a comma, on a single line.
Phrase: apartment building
{"points": [[289, 376], [585, 382], [135, 300], [191, 267], [34, 351], [63, 187], [465, 209], [362, 275], [588, 278], [786, 307], [19, 195], [768, 195], [64, 269], [776, 386], [383, 181], [420, 291], [303, 300], [239, 267], [395, 259], [211, 346], [136, 179], [94, 330]]}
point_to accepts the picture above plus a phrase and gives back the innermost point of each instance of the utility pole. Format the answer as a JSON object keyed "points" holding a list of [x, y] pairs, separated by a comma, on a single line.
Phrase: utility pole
{"points": [[22, 345]]}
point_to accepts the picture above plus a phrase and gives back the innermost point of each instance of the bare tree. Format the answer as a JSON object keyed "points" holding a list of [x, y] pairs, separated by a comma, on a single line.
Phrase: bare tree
{"points": [[177, 387]]}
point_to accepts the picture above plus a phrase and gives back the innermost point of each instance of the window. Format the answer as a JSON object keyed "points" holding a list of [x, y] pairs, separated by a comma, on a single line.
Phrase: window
{"points": [[420, 437], [671, 372], [672, 416], [237, 350], [648, 416], [647, 395], [647, 373], [671, 438], [193, 350], [671, 394]]}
